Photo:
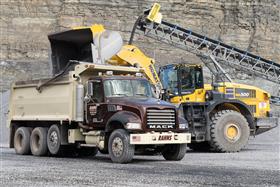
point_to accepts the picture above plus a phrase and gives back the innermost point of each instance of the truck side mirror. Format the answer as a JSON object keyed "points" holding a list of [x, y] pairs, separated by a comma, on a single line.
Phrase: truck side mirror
{"points": [[90, 89]]}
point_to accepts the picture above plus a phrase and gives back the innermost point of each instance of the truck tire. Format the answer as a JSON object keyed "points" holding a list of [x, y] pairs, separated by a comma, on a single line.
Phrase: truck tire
{"points": [[120, 149], [87, 151], [38, 141], [229, 131], [22, 141], [174, 152], [200, 147], [54, 140]]}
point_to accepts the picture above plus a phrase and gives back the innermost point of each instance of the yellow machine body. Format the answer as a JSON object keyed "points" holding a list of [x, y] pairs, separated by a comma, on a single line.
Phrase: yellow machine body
{"points": [[256, 99]]}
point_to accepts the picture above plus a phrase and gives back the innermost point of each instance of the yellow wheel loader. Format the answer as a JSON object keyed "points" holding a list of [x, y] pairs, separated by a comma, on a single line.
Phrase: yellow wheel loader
{"points": [[223, 114]]}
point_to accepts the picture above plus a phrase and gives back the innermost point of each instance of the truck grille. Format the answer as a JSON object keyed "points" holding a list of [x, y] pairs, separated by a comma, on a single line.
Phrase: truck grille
{"points": [[161, 119]]}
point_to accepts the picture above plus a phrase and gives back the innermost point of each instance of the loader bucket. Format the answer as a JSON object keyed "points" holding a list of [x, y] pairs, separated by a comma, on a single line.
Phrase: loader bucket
{"points": [[74, 44]]}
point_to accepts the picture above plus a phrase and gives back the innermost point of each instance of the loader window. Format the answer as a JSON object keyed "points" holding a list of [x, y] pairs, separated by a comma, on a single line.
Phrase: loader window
{"points": [[191, 78], [169, 78], [187, 79]]}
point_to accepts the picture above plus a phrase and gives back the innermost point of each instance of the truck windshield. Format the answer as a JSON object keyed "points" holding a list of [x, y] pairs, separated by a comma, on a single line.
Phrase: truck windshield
{"points": [[127, 88]]}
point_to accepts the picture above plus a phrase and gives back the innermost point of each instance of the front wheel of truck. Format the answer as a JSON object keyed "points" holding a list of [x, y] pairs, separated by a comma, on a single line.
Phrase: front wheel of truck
{"points": [[174, 152], [120, 149]]}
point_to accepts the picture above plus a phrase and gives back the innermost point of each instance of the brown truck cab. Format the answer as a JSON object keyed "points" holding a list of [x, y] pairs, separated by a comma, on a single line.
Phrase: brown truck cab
{"points": [[93, 107]]}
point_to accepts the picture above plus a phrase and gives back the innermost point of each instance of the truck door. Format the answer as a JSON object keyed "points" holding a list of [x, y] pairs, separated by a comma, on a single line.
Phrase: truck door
{"points": [[95, 106]]}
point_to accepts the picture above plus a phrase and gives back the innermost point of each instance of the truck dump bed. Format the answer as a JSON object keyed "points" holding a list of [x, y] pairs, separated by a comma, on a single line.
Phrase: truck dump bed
{"points": [[54, 103]]}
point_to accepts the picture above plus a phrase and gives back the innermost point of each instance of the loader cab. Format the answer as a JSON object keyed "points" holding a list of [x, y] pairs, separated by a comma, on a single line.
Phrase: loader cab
{"points": [[181, 79]]}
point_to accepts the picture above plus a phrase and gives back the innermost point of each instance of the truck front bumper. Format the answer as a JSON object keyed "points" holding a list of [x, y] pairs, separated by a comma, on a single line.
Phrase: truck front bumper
{"points": [[266, 124], [160, 138]]}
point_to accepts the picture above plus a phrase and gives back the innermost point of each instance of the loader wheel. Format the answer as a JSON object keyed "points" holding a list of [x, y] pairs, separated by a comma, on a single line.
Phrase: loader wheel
{"points": [[229, 131], [200, 147], [22, 141], [120, 149], [174, 152], [38, 141], [54, 140]]}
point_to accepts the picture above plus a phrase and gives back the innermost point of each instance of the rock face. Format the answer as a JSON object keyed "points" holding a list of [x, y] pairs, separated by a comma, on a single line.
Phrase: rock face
{"points": [[252, 25]]}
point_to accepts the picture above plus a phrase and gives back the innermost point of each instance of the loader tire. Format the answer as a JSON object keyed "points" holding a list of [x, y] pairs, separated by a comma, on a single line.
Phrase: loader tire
{"points": [[174, 151], [22, 141], [120, 149], [38, 141], [54, 140], [229, 131]]}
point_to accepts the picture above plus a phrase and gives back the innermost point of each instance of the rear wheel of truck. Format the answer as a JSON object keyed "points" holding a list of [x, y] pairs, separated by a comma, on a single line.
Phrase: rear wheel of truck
{"points": [[22, 141], [38, 141], [174, 151], [54, 140], [120, 149], [229, 131]]}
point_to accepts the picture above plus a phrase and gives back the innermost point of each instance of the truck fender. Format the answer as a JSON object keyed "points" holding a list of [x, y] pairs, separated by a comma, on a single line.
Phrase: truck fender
{"points": [[241, 106], [120, 119]]}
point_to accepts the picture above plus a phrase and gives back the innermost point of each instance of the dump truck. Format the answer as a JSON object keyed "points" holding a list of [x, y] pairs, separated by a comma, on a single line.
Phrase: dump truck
{"points": [[88, 105], [94, 107]]}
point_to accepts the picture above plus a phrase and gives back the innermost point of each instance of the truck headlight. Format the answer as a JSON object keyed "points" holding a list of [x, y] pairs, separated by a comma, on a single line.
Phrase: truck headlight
{"points": [[183, 126], [133, 126]]}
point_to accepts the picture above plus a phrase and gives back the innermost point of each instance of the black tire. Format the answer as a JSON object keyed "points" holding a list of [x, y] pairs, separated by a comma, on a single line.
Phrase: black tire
{"points": [[200, 147], [221, 122], [22, 141], [38, 141], [87, 151], [54, 140], [174, 152], [120, 149]]}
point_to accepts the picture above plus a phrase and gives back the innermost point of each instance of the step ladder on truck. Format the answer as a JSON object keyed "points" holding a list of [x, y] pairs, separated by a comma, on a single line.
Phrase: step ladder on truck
{"points": [[221, 115]]}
